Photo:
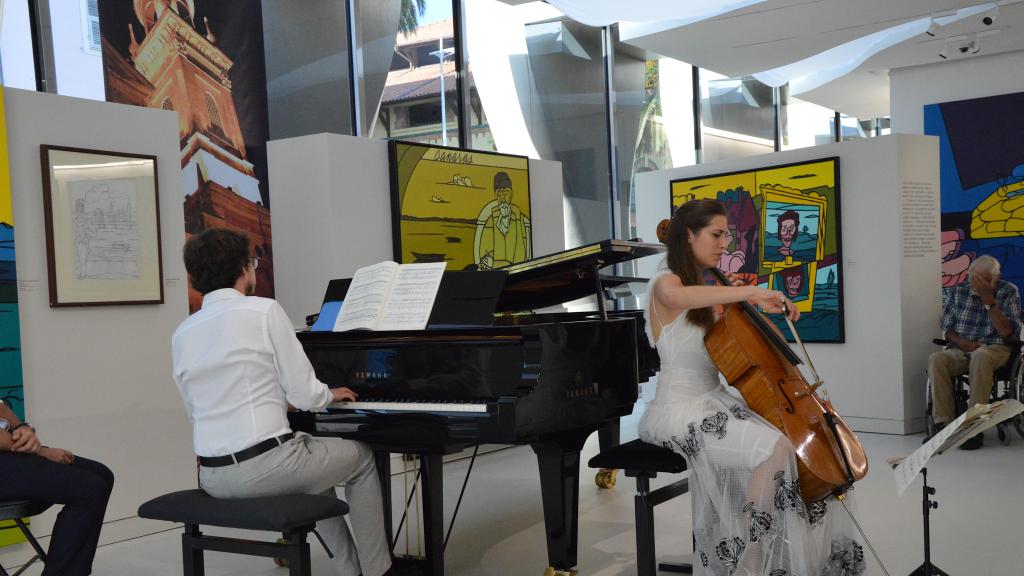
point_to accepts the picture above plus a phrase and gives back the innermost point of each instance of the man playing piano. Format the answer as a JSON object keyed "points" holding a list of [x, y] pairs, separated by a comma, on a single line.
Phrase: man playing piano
{"points": [[238, 365]]}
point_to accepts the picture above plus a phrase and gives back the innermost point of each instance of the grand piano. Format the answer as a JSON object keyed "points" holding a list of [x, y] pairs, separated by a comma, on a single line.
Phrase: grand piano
{"points": [[547, 380]]}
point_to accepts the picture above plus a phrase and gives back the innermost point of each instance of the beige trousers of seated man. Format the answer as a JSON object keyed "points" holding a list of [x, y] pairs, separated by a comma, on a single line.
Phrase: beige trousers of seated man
{"points": [[945, 366]]}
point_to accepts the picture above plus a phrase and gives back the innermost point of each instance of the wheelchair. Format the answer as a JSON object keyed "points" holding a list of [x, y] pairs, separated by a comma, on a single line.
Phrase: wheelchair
{"points": [[1007, 382]]}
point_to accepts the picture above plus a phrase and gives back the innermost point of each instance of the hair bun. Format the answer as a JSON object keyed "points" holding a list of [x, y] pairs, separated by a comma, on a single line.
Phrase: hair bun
{"points": [[662, 230]]}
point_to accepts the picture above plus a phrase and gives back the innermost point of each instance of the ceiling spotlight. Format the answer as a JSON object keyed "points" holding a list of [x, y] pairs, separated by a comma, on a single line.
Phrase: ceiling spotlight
{"points": [[991, 17], [933, 28], [944, 52], [974, 47]]}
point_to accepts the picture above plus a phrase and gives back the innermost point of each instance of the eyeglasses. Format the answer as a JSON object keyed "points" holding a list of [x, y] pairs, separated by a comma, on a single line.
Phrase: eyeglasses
{"points": [[255, 262]]}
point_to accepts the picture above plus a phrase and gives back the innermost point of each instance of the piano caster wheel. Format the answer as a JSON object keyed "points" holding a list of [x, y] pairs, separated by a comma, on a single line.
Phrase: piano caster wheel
{"points": [[605, 478], [281, 562], [551, 571]]}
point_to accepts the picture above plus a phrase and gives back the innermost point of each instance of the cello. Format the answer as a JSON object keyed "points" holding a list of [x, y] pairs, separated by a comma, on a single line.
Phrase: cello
{"points": [[755, 359]]}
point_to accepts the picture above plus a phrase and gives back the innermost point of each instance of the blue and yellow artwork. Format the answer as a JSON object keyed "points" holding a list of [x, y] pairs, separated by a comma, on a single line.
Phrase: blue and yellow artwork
{"points": [[981, 167], [784, 235]]}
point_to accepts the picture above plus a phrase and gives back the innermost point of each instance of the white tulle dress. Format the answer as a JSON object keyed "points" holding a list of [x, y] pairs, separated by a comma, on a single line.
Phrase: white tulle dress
{"points": [[748, 516]]}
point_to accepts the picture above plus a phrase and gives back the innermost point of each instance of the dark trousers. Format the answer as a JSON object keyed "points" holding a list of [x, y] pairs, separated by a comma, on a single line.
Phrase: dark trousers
{"points": [[83, 489]]}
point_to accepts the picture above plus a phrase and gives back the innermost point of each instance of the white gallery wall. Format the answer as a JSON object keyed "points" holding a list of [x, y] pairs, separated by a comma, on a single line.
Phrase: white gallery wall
{"points": [[337, 216], [889, 190], [911, 89], [98, 378]]}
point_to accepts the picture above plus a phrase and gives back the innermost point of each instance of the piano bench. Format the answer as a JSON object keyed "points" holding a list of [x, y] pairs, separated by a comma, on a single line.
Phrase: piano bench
{"points": [[644, 461], [294, 516]]}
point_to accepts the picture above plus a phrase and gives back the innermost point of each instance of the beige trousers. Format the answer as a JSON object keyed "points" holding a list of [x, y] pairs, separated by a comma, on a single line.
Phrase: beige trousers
{"points": [[945, 366], [308, 465]]}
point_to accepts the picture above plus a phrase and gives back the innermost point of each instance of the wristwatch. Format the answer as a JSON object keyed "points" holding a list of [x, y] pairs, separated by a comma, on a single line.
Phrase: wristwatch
{"points": [[987, 307]]}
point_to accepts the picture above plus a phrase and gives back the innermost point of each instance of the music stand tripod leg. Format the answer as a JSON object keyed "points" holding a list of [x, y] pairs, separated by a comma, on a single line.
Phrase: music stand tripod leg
{"points": [[927, 569]]}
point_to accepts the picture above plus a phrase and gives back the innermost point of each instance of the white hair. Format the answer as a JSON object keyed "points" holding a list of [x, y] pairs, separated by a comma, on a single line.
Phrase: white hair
{"points": [[984, 264]]}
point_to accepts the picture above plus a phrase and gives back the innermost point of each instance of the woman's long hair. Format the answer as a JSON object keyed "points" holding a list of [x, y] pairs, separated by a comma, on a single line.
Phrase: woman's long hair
{"points": [[692, 216]]}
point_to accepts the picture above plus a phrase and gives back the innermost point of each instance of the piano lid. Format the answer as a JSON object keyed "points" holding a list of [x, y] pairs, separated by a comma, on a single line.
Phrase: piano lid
{"points": [[566, 276]]}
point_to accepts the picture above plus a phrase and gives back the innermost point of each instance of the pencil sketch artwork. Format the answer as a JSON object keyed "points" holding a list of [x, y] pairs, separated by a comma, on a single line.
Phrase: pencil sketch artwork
{"points": [[105, 229]]}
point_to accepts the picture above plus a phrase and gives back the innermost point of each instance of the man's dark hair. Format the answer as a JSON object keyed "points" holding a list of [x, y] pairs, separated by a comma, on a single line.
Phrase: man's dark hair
{"points": [[789, 215], [215, 258], [501, 180]]}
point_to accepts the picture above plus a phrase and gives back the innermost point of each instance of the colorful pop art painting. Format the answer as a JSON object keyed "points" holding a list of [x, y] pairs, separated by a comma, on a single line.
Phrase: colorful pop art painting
{"points": [[469, 209], [784, 235], [981, 164]]}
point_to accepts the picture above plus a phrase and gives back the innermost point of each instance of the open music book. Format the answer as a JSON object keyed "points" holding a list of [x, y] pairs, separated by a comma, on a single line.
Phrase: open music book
{"points": [[975, 420], [390, 296]]}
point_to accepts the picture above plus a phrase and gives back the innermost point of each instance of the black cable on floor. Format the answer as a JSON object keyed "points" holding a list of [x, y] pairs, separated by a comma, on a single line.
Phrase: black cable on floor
{"points": [[461, 493]]}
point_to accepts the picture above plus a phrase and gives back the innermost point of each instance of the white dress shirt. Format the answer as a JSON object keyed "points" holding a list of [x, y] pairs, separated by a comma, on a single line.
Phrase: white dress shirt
{"points": [[238, 365]]}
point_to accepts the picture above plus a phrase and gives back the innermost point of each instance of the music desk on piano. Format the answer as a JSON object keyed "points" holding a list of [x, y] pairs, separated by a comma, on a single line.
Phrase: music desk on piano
{"points": [[547, 380]]}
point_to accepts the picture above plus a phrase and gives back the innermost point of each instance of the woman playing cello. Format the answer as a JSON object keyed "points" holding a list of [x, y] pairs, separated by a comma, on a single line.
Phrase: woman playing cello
{"points": [[749, 516]]}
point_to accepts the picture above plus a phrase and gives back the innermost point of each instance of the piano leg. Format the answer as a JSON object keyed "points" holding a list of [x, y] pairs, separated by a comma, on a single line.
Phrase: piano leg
{"points": [[383, 460], [608, 437], [432, 484], [559, 463]]}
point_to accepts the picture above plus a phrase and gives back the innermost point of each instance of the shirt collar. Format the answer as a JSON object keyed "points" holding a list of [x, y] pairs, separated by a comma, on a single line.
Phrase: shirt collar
{"points": [[212, 298]]}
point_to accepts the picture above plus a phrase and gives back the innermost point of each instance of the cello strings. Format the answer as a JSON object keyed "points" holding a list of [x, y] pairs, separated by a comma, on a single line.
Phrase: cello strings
{"points": [[867, 541], [792, 330]]}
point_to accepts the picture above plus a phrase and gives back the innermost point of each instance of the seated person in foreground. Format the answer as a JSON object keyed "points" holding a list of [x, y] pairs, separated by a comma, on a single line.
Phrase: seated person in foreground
{"points": [[30, 471], [238, 365], [979, 317]]}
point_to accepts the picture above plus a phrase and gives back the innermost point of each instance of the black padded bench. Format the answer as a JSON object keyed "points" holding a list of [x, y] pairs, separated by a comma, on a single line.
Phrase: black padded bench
{"points": [[644, 461], [294, 516]]}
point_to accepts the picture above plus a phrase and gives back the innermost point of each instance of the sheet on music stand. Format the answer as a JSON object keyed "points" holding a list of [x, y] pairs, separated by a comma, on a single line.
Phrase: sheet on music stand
{"points": [[975, 420]]}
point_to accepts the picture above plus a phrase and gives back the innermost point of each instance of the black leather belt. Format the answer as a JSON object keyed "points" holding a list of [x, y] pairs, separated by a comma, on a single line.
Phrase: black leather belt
{"points": [[243, 455]]}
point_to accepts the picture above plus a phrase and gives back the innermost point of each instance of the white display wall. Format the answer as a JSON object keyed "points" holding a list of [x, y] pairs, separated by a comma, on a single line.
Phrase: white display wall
{"points": [[891, 297], [337, 216], [98, 378]]}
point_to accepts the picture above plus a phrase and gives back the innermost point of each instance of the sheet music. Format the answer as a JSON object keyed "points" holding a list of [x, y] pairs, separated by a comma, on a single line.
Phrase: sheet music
{"points": [[412, 296], [975, 420], [366, 298]]}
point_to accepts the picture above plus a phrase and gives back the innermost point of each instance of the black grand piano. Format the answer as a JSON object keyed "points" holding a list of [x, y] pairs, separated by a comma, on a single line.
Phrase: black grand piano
{"points": [[547, 380]]}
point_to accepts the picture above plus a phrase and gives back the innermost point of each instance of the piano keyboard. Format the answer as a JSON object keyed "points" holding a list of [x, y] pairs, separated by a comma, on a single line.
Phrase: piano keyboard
{"points": [[411, 406]]}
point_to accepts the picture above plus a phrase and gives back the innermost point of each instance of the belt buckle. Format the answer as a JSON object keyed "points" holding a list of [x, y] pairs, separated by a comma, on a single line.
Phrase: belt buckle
{"points": [[234, 459]]}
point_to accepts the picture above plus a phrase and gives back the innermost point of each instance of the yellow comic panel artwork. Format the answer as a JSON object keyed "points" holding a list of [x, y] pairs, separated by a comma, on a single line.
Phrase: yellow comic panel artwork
{"points": [[469, 209], [699, 188]]}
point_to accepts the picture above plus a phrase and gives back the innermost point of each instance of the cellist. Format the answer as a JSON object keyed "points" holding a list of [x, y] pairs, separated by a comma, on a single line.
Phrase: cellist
{"points": [[749, 517]]}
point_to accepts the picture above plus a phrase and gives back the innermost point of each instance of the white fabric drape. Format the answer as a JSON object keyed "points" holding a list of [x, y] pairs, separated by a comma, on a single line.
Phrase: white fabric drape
{"points": [[607, 12], [824, 67]]}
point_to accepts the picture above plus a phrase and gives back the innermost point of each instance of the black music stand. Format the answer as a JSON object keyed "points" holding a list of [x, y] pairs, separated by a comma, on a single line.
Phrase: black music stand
{"points": [[927, 569]]}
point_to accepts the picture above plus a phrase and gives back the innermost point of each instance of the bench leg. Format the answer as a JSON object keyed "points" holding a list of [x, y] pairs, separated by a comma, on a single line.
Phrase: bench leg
{"points": [[192, 556], [299, 563], [645, 558]]}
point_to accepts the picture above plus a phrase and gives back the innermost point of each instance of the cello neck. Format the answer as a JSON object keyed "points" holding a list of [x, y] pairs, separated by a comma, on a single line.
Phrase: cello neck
{"points": [[762, 323]]}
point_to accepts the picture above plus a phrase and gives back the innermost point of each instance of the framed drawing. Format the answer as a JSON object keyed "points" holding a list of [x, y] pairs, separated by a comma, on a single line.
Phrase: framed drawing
{"points": [[784, 234], [468, 208], [102, 223]]}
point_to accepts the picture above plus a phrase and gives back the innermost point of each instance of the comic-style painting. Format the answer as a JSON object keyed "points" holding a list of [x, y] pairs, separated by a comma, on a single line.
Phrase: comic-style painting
{"points": [[469, 209], [783, 235], [981, 165]]}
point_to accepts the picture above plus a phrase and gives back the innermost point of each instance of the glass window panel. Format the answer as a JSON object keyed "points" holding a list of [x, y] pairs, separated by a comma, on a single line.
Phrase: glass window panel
{"points": [[540, 82], [76, 56], [804, 124], [737, 115], [852, 128], [410, 89], [654, 121], [307, 59], [17, 69]]}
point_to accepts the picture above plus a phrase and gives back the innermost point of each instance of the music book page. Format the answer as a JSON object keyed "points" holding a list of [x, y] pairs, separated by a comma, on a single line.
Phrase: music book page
{"points": [[390, 296], [413, 291], [975, 420]]}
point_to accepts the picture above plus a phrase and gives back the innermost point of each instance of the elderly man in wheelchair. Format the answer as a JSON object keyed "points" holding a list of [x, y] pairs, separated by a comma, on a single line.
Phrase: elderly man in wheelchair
{"points": [[980, 323]]}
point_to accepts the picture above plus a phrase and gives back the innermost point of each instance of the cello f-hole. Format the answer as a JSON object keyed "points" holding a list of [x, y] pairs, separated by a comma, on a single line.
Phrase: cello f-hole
{"points": [[792, 408]]}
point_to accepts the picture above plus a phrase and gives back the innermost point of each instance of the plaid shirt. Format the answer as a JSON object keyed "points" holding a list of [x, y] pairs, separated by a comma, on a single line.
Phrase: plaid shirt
{"points": [[966, 315]]}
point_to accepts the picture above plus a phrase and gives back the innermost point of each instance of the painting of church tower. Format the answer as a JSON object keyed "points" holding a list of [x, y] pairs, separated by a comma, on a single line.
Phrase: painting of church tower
{"points": [[165, 54]]}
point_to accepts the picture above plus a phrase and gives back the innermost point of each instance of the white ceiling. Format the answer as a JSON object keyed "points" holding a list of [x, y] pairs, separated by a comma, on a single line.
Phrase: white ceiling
{"points": [[779, 32]]}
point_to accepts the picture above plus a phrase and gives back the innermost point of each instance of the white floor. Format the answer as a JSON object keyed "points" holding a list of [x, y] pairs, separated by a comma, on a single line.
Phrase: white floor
{"points": [[500, 530]]}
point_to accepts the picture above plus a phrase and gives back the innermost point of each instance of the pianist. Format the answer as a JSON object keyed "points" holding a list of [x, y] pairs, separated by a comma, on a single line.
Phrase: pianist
{"points": [[238, 365]]}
